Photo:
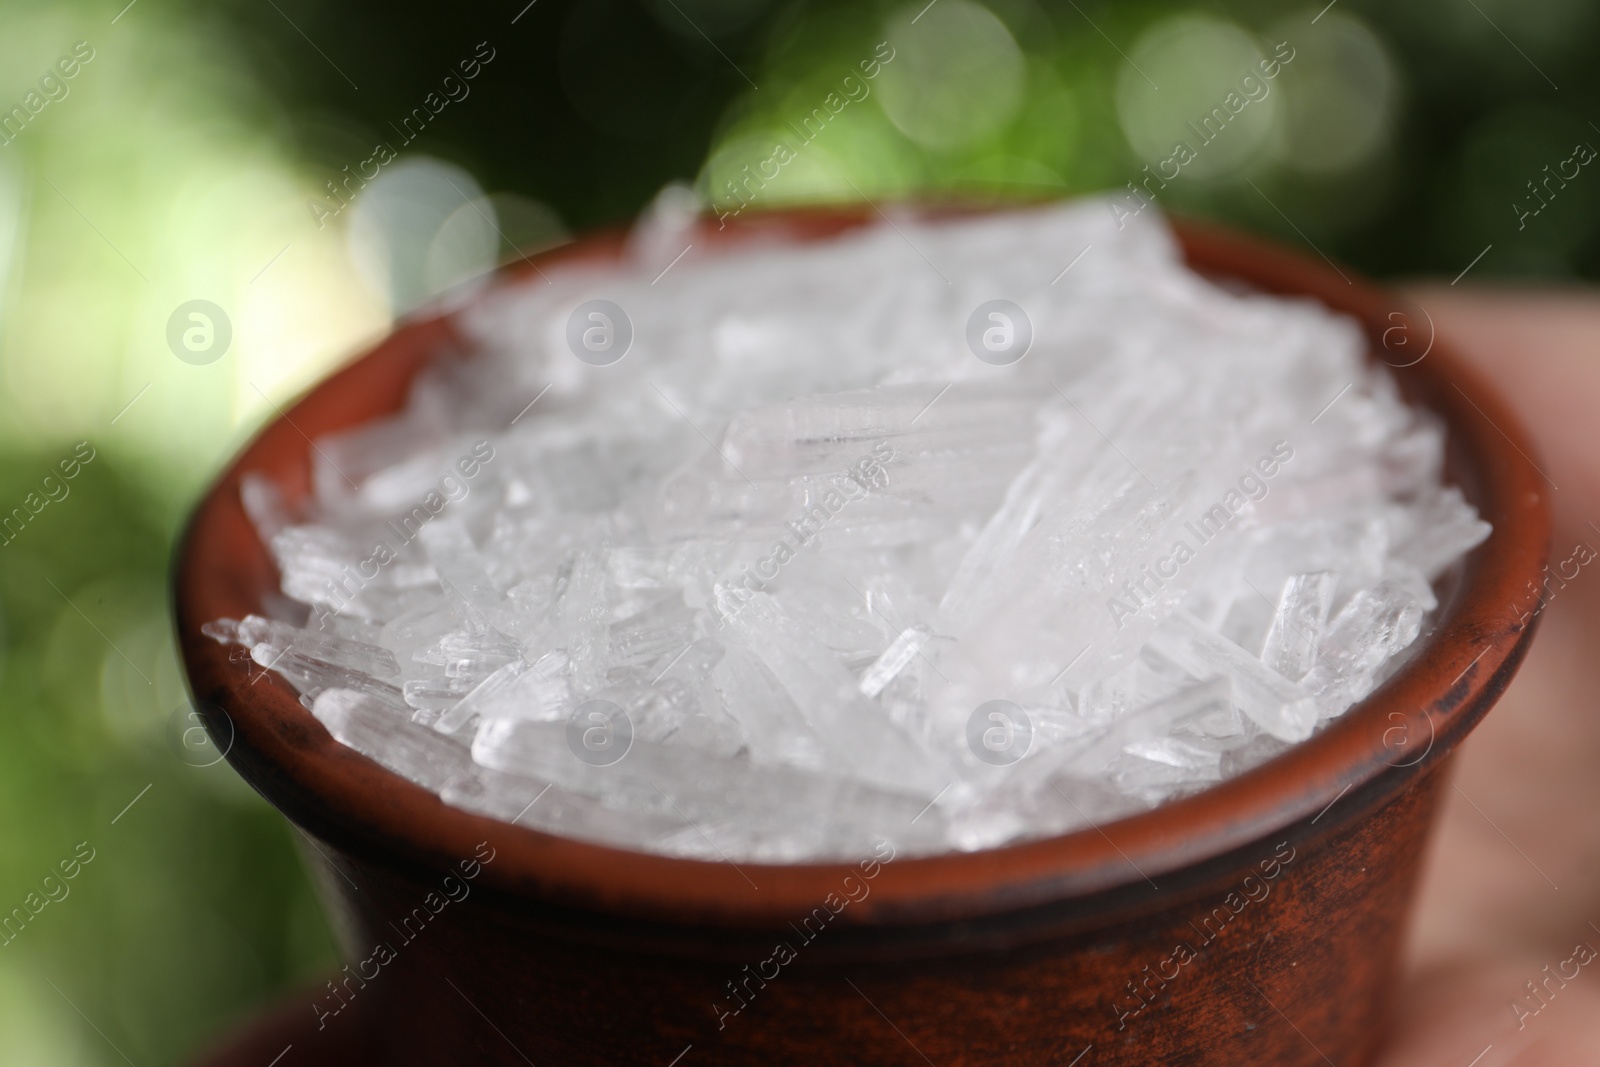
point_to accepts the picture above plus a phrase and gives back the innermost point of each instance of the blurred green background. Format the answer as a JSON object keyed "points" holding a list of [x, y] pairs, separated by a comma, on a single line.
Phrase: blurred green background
{"points": [[186, 156]]}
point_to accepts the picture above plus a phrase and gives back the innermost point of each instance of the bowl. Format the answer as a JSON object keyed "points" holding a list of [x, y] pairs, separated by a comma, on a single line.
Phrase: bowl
{"points": [[1257, 921]]}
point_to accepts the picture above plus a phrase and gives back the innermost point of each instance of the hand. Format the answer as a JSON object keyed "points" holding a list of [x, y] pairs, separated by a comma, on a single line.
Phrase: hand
{"points": [[1522, 816]]}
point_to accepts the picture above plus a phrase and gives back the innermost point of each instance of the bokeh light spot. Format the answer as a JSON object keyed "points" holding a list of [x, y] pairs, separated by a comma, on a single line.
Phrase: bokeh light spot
{"points": [[418, 229], [1215, 97], [956, 75], [1340, 94]]}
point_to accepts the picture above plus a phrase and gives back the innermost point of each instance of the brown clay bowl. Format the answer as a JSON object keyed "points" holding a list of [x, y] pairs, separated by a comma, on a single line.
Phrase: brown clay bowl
{"points": [[1258, 921]]}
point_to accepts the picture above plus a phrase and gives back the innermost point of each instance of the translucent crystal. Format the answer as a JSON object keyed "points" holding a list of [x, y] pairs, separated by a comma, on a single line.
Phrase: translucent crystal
{"points": [[665, 628], [661, 778], [344, 462], [459, 566], [378, 731], [515, 690], [1441, 532], [312, 675], [1291, 643], [543, 806], [432, 697], [1361, 639], [1276, 704], [773, 728], [855, 732], [874, 432], [905, 648], [483, 696], [326, 648], [264, 503], [222, 631], [1150, 729], [1252, 754], [800, 542], [470, 655], [585, 622]]}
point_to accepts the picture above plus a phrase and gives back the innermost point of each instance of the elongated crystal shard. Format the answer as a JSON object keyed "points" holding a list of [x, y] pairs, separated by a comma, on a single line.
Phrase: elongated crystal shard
{"points": [[906, 646], [1276, 704], [857, 733], [1361, 639], [376, 730], [1297, 619]]}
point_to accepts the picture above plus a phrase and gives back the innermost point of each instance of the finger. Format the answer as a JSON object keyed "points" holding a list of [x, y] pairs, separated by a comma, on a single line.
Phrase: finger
{"points": [[1542, 351], [1499, 1015]]}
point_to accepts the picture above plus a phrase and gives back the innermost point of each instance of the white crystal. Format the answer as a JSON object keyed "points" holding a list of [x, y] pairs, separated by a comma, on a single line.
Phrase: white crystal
{"points": [[905, 648], [1361, 639], [800, 537], [1276, 704], [665, 779], [1290, 647], [379, 732], [542, 806], [1440, 532], [855, 732]]}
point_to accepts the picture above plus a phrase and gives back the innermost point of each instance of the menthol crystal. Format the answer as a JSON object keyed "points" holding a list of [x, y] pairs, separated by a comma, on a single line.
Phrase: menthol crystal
{"points": [[821, 561]]}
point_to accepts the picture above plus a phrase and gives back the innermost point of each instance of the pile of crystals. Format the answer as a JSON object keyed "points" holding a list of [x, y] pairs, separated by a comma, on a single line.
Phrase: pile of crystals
{"points": [[801, 572]]}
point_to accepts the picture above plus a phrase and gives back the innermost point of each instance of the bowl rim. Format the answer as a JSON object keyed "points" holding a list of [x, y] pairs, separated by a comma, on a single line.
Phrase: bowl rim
{"points": [[1377, 749]]}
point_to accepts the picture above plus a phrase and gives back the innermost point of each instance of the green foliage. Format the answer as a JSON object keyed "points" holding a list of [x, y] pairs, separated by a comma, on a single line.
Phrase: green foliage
{"points": [[194, 905]]}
